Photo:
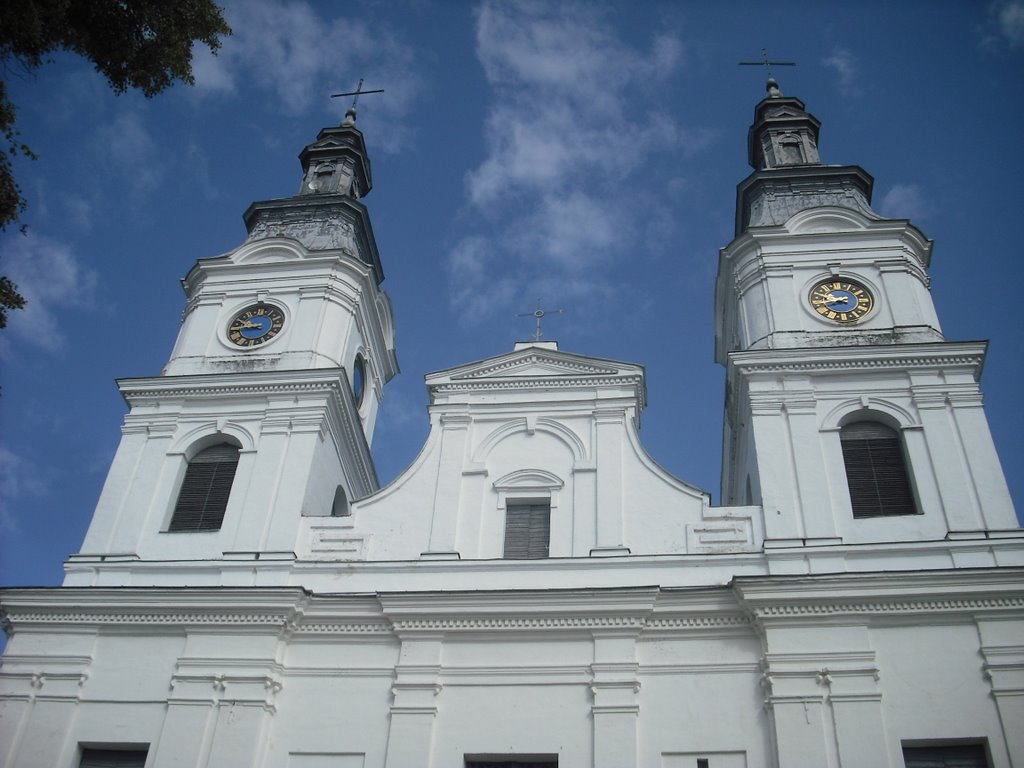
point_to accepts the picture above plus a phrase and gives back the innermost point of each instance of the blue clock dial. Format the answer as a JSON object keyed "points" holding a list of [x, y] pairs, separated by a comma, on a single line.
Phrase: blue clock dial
{"points": [[255, 325], [841, 301]]}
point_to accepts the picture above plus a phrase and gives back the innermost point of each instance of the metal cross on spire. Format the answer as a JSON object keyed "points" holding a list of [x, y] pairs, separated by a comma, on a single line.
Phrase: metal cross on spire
{"points": [[356, 93], [765, 63], [538, 315]]}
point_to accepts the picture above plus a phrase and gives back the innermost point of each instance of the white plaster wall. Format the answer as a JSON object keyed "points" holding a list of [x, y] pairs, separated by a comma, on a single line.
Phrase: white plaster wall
{"points": [[688, 680], [795, 423], [933, 681], [767, 273]]}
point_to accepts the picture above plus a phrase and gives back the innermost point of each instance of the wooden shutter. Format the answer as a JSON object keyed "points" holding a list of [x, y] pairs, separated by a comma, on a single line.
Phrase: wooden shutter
{"points": [[875, 470], [527, 531], [951, 756], [113, 758], [205, 489]]}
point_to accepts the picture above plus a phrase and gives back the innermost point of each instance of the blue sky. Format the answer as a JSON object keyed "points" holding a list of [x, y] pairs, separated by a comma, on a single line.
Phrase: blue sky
{"points": [[585, 154]]}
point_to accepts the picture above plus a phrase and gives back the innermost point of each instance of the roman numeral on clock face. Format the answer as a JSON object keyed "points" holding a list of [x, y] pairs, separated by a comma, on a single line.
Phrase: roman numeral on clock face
{"points": [[841, 301], [255, 325]]}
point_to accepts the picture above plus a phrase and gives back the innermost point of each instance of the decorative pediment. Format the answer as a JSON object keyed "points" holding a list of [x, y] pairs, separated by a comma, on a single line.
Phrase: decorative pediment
{"points": [[784, 111], [540, 370], [329, 142], [535, 363]]}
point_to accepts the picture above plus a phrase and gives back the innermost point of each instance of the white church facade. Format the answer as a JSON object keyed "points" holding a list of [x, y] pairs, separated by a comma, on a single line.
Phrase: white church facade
{"points": [[534, 590]]}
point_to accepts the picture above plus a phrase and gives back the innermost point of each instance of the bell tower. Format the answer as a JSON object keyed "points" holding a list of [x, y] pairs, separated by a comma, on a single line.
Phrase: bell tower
{"points": [[265, 410], [849, 416]]}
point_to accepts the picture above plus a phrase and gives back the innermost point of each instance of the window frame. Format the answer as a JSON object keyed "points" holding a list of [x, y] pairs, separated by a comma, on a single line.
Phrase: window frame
{"points": [[929, 753], [526, 486], [102, 756], [877, 485], [538, 520], [183, 520]]}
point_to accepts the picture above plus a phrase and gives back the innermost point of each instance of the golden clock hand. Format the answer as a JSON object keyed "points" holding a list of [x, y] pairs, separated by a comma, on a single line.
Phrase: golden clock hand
{"points": [[830, 299]]}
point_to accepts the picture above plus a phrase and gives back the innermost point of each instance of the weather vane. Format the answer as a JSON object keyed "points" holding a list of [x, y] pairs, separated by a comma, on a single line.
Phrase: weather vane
{"points": [[763, 63], [538, 315], [356, 93]]}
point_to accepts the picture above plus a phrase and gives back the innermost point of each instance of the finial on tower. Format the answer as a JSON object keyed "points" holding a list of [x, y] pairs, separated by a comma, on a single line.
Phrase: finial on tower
{"points": [[538, 315], [773, 86], [350, 114]]}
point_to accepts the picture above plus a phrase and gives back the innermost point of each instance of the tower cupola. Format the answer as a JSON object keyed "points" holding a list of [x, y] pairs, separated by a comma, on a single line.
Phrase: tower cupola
{"points": [[789, 177], [337, 163], [783, 133], [326, 214]]}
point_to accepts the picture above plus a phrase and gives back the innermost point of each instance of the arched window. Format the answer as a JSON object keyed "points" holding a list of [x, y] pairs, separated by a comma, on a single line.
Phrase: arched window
{"points": [[875, 470], [340, 506], [205, 489]]}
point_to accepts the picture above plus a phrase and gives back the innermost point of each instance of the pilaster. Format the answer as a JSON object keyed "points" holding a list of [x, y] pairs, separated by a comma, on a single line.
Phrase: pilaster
{"points": [[615, 686], [414, 706], [444, 516], [1002, 652], [609, 427]]}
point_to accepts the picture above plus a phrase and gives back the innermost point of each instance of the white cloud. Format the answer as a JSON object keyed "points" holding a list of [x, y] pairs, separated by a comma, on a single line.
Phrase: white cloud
{"points": [[906, 201], [51, 279], [843, 62], [131, 153], [79, 211], [1010, 21], [18, 479], [290, 50], [565, 138], [477, 291]]}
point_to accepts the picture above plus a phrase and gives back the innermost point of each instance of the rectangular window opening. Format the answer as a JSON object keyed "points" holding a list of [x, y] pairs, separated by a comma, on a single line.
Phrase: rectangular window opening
{"points": [[107, 757], [527, 530], [937, 755], [511, 761]]}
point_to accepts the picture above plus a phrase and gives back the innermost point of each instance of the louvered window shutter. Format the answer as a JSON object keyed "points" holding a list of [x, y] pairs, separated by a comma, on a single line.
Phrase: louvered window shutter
{"points": [[876, 471], [527, 531], [951, 756], [113, 758], [205, 489]]}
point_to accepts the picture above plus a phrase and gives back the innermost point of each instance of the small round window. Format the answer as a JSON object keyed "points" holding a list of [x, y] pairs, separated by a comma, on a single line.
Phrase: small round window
{"points": [[358, 380]]}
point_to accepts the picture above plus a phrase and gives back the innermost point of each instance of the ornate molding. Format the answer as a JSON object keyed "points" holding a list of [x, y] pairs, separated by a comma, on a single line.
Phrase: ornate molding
{"points": [[162, 618], [699, 621], [889, 607], [515, 623], [536, 382], [931, 361], [523, 359]]}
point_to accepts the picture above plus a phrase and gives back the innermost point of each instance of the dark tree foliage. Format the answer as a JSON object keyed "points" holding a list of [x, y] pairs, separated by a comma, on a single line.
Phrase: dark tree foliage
{"points": [[144, 44]]}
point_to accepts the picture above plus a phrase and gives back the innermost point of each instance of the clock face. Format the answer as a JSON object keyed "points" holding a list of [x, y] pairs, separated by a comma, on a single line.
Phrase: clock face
{"points": [[841, 301], [256, 324]]}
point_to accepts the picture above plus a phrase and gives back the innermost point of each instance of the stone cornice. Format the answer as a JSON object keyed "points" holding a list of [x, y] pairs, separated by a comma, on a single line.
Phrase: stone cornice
{"points": [[961, 354], [231, 383], [943, 594], [559, 362], [937, 595], [538, 382]]}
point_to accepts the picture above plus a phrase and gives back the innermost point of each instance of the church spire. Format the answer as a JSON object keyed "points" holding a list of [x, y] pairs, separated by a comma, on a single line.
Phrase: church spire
{"points": [[789, 177], [337, 162], [783, 133], [335, 176]]}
